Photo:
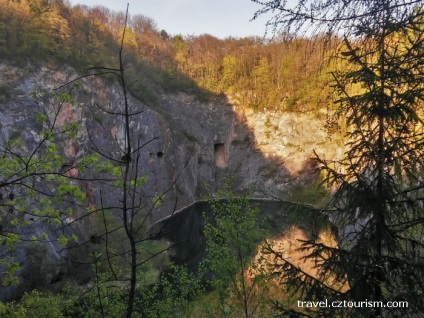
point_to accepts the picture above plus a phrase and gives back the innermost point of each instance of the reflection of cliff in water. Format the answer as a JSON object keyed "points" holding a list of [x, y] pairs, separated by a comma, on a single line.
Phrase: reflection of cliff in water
{"points": [[184, 229]]}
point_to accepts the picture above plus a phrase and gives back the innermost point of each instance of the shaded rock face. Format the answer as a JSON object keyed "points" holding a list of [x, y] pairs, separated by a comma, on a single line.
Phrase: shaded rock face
{"points": [[225, 147], [202, 143], [190, 149]]}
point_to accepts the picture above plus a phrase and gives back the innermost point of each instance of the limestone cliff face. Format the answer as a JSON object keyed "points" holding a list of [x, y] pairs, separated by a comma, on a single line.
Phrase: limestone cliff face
{"points": [[196, 145], [190, 147]]}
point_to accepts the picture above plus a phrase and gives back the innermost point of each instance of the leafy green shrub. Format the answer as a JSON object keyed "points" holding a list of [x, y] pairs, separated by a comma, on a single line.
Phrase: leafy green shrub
{"points": [[175, 295], [233, 235], [33, 305]]}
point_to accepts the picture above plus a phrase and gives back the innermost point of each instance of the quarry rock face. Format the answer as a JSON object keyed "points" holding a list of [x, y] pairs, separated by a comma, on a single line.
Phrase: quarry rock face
{"points": [[187, 148], [190, 144]]}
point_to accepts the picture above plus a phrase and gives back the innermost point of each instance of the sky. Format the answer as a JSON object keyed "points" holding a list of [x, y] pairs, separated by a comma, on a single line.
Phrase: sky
{"points": [[220, 18]]}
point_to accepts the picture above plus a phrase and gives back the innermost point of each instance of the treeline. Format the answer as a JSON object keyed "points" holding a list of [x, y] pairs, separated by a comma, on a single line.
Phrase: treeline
{"points": [[258, 73], [55, 31]]}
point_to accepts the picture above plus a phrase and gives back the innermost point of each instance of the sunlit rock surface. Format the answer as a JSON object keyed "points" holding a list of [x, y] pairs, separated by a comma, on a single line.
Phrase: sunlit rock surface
{"points": [[191, 147]]}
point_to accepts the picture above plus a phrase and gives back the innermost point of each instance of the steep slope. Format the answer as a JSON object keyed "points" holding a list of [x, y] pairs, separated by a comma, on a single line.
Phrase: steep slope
{"points": [[191, 148]]}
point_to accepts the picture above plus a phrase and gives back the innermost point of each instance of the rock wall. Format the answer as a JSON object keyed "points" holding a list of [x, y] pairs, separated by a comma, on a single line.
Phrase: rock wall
{"points": [[211, 141], [191, 148]]}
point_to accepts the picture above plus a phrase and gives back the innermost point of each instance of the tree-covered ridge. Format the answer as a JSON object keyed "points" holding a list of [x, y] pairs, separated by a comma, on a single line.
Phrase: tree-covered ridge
{"points": [[54, 31], [258, 73], [261, 73]]}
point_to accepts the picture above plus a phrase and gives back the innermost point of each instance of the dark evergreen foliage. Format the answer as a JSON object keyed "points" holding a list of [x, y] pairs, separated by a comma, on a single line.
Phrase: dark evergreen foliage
{"points": [[378, 203]]}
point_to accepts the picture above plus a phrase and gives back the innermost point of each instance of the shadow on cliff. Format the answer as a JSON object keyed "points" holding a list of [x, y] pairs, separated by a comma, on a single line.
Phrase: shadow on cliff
{"points": [[202, 143], [225, 148]]}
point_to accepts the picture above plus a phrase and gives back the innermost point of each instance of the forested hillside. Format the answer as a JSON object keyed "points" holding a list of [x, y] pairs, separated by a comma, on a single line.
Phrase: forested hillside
{"points": [[260, 73]]}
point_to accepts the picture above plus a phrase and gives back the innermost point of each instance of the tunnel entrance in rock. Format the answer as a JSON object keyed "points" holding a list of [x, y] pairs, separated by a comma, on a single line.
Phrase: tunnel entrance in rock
{"points": [[220, 152]]}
